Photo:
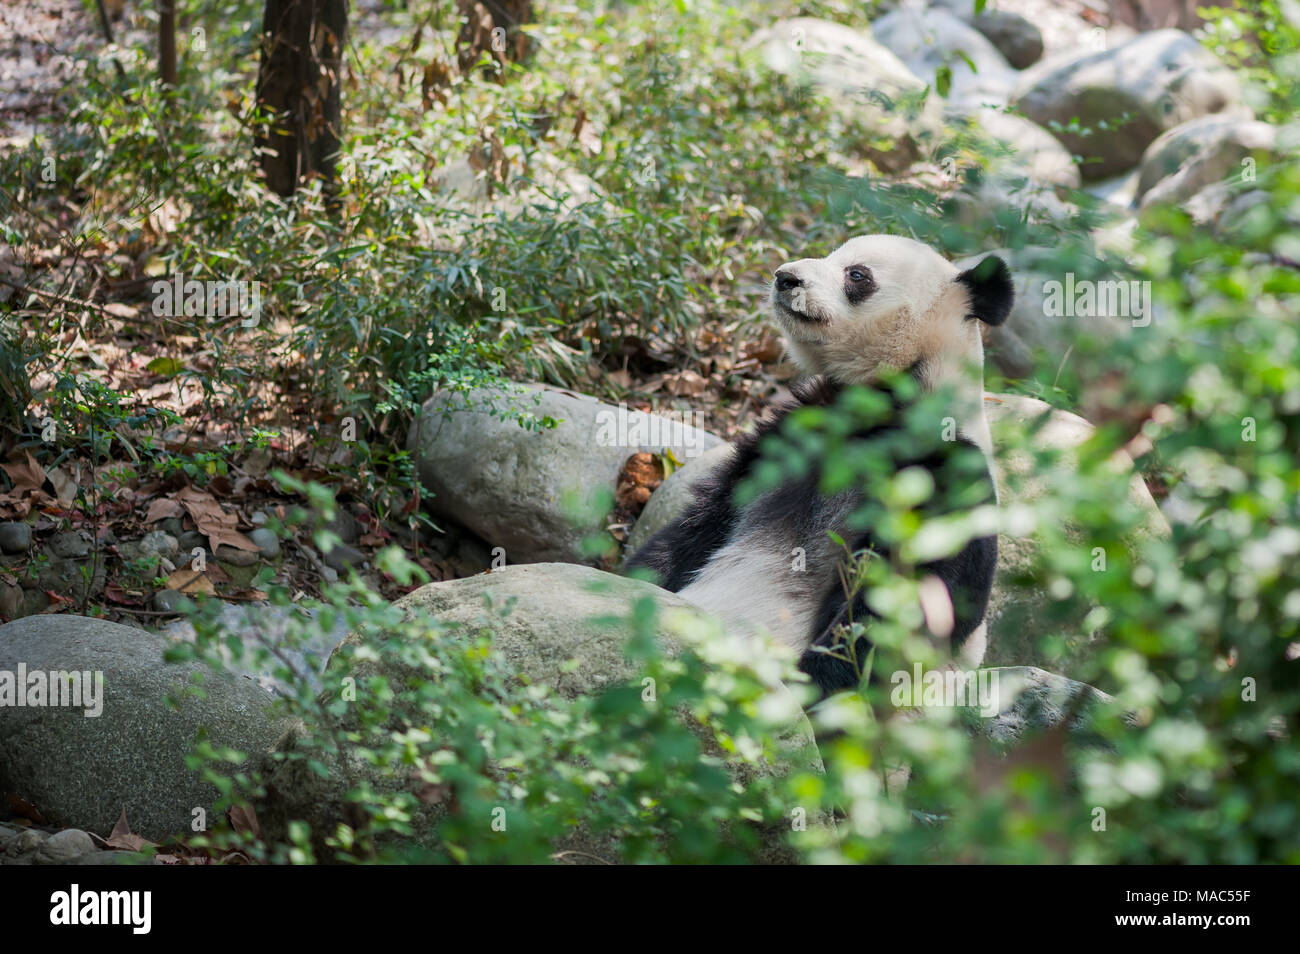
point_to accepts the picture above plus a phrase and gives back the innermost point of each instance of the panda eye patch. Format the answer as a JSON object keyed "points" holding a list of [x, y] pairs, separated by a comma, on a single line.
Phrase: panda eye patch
{"points": [[858, 283]]}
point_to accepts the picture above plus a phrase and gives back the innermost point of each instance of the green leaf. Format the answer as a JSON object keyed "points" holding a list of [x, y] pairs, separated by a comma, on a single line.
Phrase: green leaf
{"points": [[943, 80], [167, 367]]}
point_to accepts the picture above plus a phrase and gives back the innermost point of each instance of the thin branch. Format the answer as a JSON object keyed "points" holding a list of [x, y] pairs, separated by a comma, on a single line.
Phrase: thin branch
{"points": [[103, 21]]}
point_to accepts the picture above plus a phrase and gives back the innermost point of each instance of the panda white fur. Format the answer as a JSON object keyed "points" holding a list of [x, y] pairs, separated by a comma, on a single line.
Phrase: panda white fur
{"points": [[877, 302]]}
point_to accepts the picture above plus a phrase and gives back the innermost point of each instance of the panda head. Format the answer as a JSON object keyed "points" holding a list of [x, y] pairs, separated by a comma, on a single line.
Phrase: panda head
{"points": [[883, 301]]}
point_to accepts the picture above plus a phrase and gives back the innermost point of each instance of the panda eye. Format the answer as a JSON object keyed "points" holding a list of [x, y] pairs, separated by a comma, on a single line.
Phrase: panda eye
{"points": [[858, 275]]}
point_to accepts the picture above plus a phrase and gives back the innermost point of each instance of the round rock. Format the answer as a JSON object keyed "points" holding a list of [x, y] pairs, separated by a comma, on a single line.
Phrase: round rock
{"points": [[63, 848], [158, 543], [534, 492], [268, 544], [861, 77], [123, 745], [68, 545], [932, 39], [235, 556], [15, 537], [1160, 79]]}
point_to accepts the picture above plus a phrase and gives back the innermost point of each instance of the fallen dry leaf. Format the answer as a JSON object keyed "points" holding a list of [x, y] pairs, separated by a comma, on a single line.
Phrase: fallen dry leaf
{"points": [[216, 574], [213, 522], [686, 384], [125, 597], [243, 818], [65, 488], [122, 837], [22, 808], [765, 350], [16, 506], [160, 508], [26, 474], [641, 474], [190, 582]]}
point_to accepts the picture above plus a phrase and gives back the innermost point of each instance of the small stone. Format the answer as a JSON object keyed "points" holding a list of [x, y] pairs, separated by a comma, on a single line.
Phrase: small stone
{"points": [[8, 832], [329, 574], [343, 556], [1015, 37], [24, 843], [191, 539], [235, 556], [11, 600], [15, 537], [268, 544], [168, 601], [173, 526], [79, 578], [68, 545], [160, 544], [64, 847], [345, 525], [258, 519]]}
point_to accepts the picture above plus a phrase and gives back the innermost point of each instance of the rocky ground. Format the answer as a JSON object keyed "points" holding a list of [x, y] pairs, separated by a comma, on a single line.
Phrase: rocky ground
{"points": [[71, 575]]}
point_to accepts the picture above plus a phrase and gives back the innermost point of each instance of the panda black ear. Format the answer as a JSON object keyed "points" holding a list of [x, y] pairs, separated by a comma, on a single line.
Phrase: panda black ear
{"points": [[991, 290]]}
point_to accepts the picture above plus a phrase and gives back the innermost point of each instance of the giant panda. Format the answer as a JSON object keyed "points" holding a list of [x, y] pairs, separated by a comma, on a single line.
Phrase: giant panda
{"points": [[875, 304]]}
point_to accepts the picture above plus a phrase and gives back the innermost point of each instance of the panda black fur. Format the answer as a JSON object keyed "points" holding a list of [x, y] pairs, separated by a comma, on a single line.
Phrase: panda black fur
{"points": [[878, 302]]}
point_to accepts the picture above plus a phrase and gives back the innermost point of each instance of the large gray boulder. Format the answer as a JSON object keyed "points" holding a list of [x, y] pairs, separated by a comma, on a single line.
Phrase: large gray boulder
{"points": [[1160, 79], [930, 39], [534, 492], [1017, 617], [290, 633], [1205, 152], [1034, 151], [860, 76], [558, 625], [1028, 169], [82, 770], [1008, 199], [551, 634]]}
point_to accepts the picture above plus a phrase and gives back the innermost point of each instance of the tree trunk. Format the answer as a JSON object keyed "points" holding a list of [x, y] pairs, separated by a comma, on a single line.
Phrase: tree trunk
{"points": [[298, 84], [166, 42], [492, 26]]}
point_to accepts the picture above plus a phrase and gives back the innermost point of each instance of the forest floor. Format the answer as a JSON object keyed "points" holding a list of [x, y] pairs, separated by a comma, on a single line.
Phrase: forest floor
{"points": [[94, 522]]}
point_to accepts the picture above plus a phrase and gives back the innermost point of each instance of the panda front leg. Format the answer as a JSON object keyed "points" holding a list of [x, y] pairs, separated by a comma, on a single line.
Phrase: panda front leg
{"points": [[834, 661], [835, 665]]}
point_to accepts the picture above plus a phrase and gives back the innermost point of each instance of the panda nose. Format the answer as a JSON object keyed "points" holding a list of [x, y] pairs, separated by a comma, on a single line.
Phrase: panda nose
{"points": [[787, 280]]}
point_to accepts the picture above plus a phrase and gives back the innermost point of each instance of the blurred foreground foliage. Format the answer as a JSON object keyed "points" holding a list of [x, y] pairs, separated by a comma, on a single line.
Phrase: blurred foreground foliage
{"points": [[702, 171]]}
